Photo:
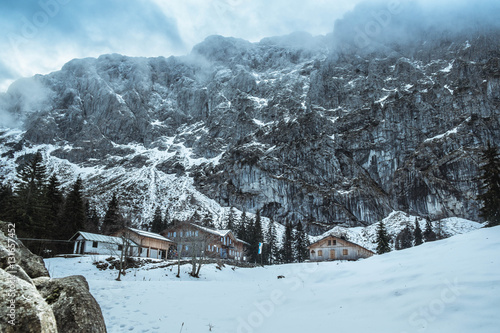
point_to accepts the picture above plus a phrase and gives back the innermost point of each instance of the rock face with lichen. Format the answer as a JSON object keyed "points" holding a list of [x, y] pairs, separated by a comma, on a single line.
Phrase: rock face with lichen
{"points": [[310, 129], [75, 309], [32, 302]]}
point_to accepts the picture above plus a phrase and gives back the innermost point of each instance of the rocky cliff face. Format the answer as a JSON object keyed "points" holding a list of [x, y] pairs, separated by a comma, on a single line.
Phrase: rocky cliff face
{"points": [[303, 128], [33, 302]]}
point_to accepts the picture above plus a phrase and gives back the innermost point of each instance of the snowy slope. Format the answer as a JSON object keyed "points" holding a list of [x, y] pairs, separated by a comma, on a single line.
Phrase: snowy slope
{"points": [[445, 286]]}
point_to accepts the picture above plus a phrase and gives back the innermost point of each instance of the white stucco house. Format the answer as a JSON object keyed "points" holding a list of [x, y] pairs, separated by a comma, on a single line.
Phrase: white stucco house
{"points": [[89, 243]]}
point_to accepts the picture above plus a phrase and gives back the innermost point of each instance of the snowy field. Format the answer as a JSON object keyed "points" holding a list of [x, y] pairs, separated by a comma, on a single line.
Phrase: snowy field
{"points": [[451, 285]]}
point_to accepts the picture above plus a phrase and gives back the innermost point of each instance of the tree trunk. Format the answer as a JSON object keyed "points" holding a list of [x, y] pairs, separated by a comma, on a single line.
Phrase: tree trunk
{"points": [[193, 270]]}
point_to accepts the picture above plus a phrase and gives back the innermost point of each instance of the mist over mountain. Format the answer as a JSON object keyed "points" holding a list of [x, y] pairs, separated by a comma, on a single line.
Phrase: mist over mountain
{"points": [[389, 112]]}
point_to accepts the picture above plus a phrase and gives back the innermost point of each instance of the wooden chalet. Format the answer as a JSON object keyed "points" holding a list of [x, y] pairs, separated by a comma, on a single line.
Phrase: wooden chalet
{"points": [[150, 244], [335, 248], [90, 243], [195, 239]]}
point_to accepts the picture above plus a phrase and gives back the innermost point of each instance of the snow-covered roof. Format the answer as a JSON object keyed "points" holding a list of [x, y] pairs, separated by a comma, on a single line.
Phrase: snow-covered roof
{"points": [[88, 236], [221, 233], [149, 234]]}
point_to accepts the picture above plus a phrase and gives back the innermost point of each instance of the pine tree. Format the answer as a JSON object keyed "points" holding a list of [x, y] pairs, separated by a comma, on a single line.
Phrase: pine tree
{"points": [[417, 234], [429, 234], [207, 221], [249, 237], [256, 237], [113, 221], [30, 206], [271, 244], [54, 199], [6, 202], [490, 188], [196, 218], [74, 211], [301, 244], [383, 239], [404, 239], [157, 223], [287, 247], [167, 223], [242, 227], [230, 222], [92, 220]]}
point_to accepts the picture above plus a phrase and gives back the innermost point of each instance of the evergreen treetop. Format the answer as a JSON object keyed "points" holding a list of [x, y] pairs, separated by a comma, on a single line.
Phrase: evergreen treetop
{"points": [[157, 223], [30, 205], [490, 187], [417, 233], [230, 222], [242, 227], [301, 244], [271, 243], [404, 239], [287, 244], [74, 211], [113, 221], [383, 239], [429, 234]]}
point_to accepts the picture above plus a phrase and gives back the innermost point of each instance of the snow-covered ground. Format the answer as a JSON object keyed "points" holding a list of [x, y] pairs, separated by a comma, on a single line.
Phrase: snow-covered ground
{"points": [[451, 285]]}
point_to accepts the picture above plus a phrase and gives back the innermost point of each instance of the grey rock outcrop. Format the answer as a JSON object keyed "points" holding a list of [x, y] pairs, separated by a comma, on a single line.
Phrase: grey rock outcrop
{"points": [[74, 307], [32, 302], [32, 265], [23, 309]]}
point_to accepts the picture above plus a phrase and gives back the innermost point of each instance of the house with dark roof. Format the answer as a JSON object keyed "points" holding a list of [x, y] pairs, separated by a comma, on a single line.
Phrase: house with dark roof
{"points": [[206, 241], [335, 248]]}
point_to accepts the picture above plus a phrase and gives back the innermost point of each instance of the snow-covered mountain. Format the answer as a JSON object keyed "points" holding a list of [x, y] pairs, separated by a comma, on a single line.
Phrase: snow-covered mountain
{"points": [[311, 129]]}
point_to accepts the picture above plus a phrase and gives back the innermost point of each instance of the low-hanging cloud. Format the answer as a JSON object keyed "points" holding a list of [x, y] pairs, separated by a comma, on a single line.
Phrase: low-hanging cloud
{"points": [[41, 35], [385, 21]]}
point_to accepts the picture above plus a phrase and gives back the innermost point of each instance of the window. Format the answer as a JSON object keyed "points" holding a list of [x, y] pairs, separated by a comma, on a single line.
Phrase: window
{"points": [[320, 253], [94, 244], [196, 233], [330, 242], [334, 242], [345, 252], [175, 234]]}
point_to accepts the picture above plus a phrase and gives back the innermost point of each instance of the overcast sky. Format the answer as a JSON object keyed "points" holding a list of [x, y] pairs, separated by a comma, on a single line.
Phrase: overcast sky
{"points": [[39, 36]]}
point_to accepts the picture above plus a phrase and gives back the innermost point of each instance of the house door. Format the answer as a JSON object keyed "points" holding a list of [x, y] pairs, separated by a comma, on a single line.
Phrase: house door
{"points": [[332, 254]]}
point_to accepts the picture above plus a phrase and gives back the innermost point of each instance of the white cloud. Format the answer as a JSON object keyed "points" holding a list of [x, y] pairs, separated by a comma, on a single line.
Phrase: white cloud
{"points": [[43, 35]]}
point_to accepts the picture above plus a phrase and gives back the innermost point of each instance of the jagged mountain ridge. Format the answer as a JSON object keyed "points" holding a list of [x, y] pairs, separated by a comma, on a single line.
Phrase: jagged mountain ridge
{"points": [[304, 128]]}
